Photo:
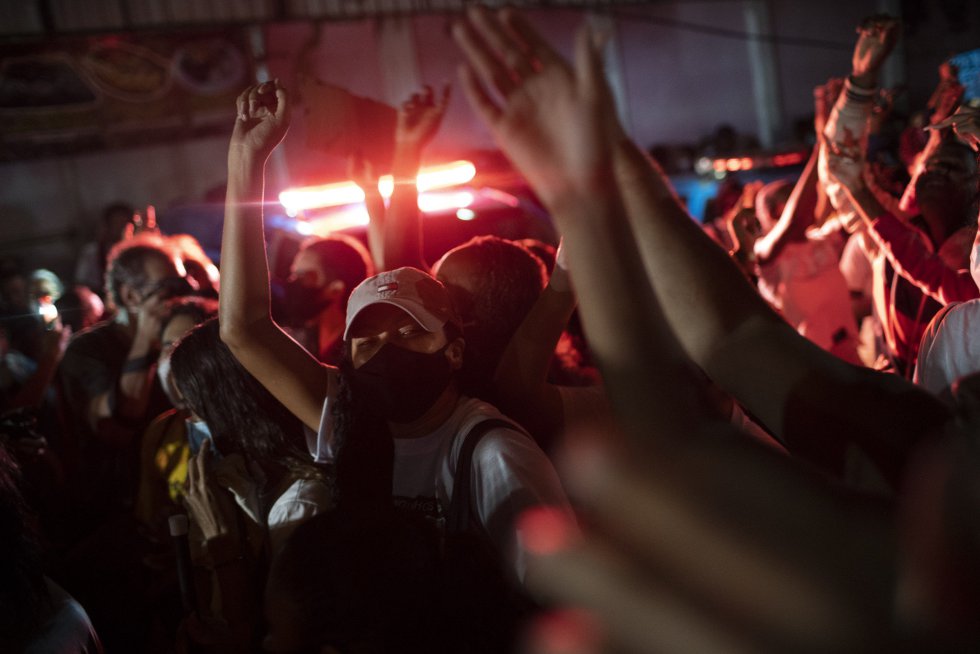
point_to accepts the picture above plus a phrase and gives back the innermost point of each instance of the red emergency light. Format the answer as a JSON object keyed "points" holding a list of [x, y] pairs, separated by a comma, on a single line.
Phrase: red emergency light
{"points": [[338, 194]]}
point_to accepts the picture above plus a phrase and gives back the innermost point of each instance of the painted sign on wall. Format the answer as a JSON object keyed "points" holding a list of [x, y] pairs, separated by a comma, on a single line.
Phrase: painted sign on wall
{"points": [[83, 93]]}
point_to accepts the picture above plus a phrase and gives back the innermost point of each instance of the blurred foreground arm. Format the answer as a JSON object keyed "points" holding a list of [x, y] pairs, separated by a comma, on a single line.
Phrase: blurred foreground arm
{"points": [[551, 124]]}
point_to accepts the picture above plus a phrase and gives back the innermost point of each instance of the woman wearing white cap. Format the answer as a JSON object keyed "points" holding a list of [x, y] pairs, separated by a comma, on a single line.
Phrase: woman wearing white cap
{"points": [[403, 346]]}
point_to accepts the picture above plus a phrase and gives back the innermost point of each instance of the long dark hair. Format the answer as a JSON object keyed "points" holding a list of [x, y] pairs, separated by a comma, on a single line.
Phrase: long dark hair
{"points": [[242, 415], [23, 595], [365, 449]]}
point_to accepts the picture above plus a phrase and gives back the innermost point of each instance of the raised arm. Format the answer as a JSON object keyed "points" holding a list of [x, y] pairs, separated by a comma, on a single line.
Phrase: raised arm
{"points": [[814, 403], [520, 385], [280, 364], [797, 216], [418, 121], [550, 124], [362, 173], [849, 122], [553, 130], [902, 244]]}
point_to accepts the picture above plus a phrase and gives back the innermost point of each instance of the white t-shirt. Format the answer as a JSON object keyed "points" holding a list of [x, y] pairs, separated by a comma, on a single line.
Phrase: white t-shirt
{"points": [[304, 499], [806, 285], [856, 267], [950, 348], [509, 474]]}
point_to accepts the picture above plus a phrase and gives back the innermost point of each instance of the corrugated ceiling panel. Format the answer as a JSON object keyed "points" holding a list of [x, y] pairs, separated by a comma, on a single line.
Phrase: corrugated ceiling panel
{"points": [[19, 17], [144, 13], [70, 16], [74, 16]]}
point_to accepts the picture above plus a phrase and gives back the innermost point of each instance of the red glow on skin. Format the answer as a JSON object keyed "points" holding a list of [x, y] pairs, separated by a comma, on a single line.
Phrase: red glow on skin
{"points": [[568, 631], [545, 530]]}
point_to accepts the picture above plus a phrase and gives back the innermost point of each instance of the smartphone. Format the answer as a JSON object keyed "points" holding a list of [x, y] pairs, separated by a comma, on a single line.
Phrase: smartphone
{"points": [[197, 432], [48, 312]]}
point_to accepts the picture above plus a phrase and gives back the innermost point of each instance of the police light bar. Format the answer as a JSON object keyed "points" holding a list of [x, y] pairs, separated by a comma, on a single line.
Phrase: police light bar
{"points": [[338, 194]]}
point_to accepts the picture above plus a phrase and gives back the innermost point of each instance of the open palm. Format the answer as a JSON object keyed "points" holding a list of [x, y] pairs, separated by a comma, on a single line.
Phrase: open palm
{"points": [[553, 121]]}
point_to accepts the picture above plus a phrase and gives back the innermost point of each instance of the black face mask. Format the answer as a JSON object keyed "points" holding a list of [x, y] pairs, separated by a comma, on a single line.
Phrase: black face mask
{"points": [[302, 303], [400, 384]]}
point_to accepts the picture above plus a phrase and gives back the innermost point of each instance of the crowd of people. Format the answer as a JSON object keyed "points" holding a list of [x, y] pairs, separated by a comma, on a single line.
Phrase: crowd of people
{"points": [[757, 435]]}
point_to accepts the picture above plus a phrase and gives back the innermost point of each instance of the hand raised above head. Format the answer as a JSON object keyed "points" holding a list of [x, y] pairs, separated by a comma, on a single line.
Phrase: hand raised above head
{"points": [[420, 116], [361, 171], [876, 39], [263, 118], [557, 123], [945, 100]]}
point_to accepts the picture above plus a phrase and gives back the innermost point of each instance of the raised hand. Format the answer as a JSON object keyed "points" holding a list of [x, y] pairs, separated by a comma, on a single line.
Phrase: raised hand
{"points": [[419, 117], [556, 123], [966, 123], [263, 118], [947, 96], [361, 172], [149, 318], [876, 39], [742, 223]]}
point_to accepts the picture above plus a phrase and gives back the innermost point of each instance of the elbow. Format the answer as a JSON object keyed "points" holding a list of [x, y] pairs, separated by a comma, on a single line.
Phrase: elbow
{"points": [[236, 334], [230, 331]]}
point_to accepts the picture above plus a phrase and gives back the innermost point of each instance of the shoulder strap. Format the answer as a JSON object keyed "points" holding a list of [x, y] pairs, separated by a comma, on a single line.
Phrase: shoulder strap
{"points": [[458, 516]]}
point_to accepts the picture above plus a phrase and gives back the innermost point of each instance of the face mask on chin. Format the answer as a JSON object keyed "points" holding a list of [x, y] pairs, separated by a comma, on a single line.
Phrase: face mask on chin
{"points": [[303, 303], [401, 385]]}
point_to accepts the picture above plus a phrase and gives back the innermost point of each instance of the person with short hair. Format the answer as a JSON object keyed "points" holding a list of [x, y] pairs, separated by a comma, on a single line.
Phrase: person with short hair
{"points": [[108, 373], [90, 268], [322, 275], [493, 283]]}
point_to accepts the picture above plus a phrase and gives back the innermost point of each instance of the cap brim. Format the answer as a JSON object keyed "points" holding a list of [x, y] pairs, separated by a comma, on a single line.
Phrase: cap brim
{"points": [[421, 315]]}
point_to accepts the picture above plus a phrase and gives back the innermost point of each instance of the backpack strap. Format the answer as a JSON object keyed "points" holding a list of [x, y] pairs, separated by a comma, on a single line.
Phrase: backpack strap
{"points": [[458, 516]]}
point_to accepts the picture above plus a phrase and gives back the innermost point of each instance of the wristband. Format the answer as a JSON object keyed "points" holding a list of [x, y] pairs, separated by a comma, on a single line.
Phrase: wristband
{"points": [[858, 94]]}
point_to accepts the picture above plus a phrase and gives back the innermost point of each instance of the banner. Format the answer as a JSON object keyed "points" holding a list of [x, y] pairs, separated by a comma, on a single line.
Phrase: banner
{"points": [[112, 90]]}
